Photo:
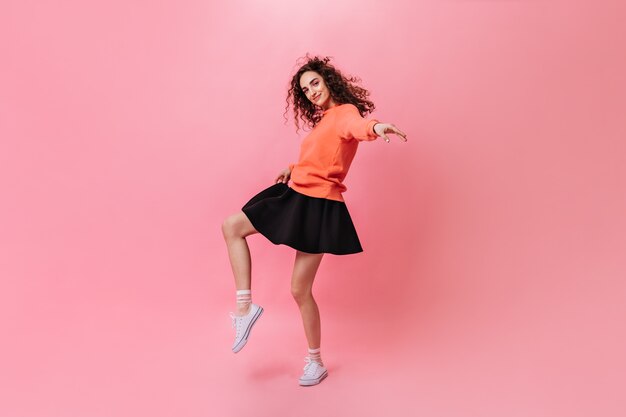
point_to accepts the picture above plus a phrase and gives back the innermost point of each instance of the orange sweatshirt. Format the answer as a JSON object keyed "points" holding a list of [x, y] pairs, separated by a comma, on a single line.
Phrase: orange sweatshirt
{"points": [[328, 150]]}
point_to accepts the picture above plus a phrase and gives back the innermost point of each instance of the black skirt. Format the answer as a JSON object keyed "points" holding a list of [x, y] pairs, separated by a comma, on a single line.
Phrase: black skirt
{"points": [[307, 224]]}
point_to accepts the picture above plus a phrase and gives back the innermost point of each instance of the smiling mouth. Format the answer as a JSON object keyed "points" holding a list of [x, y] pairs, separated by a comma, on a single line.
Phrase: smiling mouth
{"points": [[316, 97]]}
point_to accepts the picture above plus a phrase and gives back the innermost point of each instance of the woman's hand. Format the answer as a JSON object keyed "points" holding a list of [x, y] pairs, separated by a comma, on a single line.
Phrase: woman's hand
{"points": [[381, 129], [283, 176]]}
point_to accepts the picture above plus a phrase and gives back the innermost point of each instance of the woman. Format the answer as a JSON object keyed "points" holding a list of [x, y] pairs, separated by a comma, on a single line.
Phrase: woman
{"points": [[310, 215]]}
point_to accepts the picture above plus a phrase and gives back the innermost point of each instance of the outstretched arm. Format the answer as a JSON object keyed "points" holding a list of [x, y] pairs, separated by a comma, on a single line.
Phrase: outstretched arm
{"points": [[352, 125]]}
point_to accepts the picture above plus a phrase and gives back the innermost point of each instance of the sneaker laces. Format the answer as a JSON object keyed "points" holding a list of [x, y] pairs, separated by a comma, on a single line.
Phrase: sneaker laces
{"points": [[235, 322]]}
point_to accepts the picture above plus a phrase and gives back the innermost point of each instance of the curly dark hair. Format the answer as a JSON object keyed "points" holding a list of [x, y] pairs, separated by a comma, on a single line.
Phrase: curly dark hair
{"points": [[342, 90]]}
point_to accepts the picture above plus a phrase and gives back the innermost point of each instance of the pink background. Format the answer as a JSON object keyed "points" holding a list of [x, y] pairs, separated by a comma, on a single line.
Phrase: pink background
{"points": [[492, 282]]}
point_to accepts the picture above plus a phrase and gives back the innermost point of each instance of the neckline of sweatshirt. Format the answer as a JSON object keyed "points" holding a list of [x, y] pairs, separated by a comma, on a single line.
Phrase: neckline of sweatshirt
{"points": [[334, 107]]}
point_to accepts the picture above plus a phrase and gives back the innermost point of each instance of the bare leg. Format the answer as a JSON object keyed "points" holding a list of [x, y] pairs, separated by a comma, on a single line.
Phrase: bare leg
{"points": [[304, 271], [235, 229]]}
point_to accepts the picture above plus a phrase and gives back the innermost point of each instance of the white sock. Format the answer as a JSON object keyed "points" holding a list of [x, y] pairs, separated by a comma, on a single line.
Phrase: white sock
{"points": [[315, 355], [244, 298]]}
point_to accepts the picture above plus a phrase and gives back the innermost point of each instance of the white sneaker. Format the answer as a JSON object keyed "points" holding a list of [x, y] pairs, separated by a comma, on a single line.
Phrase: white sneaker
{"points": [[243, 325], [314, 373]]}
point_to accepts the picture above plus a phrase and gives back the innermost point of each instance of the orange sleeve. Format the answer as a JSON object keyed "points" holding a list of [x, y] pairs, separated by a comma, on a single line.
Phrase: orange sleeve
{"points": [[352, 126]]}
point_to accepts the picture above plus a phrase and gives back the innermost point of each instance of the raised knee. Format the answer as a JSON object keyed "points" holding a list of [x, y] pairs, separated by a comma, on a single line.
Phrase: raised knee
{"points": [[229, 226]]}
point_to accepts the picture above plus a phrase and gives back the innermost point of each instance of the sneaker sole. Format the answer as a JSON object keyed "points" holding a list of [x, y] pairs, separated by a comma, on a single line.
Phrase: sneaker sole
{"points": [[314, 381], [243, 341]]}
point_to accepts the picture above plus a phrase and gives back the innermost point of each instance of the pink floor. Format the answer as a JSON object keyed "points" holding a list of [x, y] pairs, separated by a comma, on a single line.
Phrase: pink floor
{"points": [[117, 362]]}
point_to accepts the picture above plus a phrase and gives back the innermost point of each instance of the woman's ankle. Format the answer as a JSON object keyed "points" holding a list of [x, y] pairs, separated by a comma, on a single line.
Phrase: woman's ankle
{"points": [[243, 311]]}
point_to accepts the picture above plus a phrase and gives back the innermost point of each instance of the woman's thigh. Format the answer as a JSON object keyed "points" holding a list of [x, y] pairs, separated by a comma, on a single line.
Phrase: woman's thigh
{"points": [[304, 270]]}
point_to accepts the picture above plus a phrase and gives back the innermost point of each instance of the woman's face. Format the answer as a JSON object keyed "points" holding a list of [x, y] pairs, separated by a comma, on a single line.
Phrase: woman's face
{"points": [[315, 89]]}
